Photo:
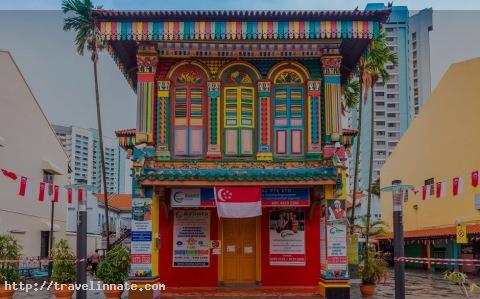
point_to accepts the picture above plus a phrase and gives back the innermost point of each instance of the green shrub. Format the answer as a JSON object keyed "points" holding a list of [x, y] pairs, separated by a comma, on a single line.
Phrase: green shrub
{"points": [[115, 266], [64, 267], [9, 250], [372, 269]]}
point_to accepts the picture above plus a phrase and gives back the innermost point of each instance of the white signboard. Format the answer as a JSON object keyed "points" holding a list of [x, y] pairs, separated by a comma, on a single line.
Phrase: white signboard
{"points": [[191, 235], [185, 197], [141, 246], [287, 238], [337, 250]]}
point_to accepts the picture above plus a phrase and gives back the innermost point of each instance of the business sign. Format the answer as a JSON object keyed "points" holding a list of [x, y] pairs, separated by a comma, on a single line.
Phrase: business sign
{"points": [[323, 246], [337, 261], [462, 234], [278, 197], [192, 197], [141, 245], [191, 238], [287, 238]]}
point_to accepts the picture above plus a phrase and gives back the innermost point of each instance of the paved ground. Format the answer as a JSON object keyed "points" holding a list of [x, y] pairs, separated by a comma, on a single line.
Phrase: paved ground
{"points": [[419, 285]]}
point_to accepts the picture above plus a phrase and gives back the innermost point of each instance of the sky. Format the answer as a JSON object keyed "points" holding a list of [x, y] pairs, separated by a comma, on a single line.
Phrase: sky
{"points": [[241, 4], [62, 81]]}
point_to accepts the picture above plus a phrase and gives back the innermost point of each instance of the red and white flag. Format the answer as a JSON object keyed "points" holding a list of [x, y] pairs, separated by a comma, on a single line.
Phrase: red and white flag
{"points": [[80, 195], [69, 195], [9, 174], [25, 188], [440, 192], [426, 191], [43, 191], [238, 202], [457, 185], [415, 190], [56, 191], [475, 178]]}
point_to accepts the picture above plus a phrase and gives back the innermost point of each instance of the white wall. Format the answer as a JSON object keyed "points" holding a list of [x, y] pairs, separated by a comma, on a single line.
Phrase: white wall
{"points": [[28, 140]]}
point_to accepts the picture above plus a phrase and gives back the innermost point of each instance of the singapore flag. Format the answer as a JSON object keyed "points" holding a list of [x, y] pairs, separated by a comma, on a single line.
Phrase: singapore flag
{"points": [[238, 202]]}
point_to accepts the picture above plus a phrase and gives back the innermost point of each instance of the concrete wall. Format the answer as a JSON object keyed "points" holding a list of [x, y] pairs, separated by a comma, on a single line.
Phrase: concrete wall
{"points": [[442, 143], [28, 141]]}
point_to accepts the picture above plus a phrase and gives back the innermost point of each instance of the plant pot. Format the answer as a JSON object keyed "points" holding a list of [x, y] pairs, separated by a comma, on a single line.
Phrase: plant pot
{"points": [[367, 290], [6, 293], [113, 294], [62, 291]]}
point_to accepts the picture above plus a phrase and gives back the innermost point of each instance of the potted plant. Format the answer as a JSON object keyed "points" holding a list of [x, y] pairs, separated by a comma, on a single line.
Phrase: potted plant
{"points": [[460, 279], [371, 272], [113, 271], [9, 254], [63, 271]]}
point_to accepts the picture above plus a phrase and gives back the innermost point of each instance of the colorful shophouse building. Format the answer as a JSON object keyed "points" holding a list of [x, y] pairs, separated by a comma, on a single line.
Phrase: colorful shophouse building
{"points": [[229, 99]]}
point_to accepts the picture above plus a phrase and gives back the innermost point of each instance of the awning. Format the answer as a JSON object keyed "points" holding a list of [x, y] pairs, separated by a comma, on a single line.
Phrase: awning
{"points": [[51, 167], [45, 225]]}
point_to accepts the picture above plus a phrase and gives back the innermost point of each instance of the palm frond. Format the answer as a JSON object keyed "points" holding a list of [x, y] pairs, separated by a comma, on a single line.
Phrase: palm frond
{"points": [[80, 19], [351, 94]]}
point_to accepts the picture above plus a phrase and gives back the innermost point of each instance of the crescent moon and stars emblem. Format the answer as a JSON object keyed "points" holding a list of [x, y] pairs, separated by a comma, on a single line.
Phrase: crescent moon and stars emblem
{"points": [[224, 194]]}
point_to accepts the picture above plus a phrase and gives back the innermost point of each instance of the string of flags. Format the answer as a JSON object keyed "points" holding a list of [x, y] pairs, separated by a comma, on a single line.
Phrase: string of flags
{"points": [[438, 189], [45, 191]]}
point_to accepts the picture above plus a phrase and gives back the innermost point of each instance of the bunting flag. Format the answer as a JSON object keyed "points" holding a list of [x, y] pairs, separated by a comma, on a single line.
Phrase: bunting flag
{"points": [[426, 191], [56, 190], [42, 191], [80, 195], [440, 191], [415, 190], [475, 178], [69, 195], [9, 174], [457, 185], [24, 189]]}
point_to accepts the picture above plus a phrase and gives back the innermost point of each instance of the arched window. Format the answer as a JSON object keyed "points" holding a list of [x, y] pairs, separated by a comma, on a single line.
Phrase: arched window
{"points": [[189, 111], [288, 113], [239, 110]]}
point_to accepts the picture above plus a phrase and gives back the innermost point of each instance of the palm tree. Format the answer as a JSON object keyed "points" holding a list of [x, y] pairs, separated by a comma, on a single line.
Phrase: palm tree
{"points": [[80, 19], [377, 228], [379, 55]]}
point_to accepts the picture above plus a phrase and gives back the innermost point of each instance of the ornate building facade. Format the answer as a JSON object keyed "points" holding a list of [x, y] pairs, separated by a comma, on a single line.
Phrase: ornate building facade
{"points": [[249, 99]]}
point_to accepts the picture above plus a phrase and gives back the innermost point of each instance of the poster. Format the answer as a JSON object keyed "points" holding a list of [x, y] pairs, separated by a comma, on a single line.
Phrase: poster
{"points": [[141, 246], [287, 238], [337, 263], [323, 246], [192, 197], [336, 209], [191, 237]]}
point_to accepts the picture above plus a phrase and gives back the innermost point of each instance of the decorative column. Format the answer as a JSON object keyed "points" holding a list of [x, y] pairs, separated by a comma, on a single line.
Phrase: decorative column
{"points": [[147, 61], [163, 120], [334, 274], [314, 120], [264, 124], [213, 145], [333, 106]]}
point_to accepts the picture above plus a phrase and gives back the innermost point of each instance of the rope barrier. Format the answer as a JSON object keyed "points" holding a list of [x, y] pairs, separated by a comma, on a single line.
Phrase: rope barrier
{"points": [[438, 261]]}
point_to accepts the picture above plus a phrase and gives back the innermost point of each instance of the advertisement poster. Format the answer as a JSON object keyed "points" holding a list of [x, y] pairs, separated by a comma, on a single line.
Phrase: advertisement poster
{"points": [[337, 250], [336, 209], [287, 238], [191, 237], [192, 197], [141, 246]]}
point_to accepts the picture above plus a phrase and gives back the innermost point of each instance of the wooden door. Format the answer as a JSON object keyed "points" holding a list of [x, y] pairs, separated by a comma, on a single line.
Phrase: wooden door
{"points": [[239, 250]]}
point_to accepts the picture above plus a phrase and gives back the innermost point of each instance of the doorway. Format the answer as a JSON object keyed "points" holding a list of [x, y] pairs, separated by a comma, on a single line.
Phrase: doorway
{"points": [[239, 250]]}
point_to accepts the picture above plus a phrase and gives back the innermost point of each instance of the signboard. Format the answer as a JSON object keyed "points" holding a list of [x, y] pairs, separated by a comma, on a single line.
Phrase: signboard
{"points": [[141, 246], [336, 209], [191, 238], [192, 197], [278, 197], [462, 234], [323, 246], [337, 250], [287, 238]]}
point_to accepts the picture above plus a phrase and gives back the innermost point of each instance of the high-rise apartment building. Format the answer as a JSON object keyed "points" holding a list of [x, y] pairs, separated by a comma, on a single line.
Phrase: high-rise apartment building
{"points": [[420, 25], [391, 105], [82, 146]]}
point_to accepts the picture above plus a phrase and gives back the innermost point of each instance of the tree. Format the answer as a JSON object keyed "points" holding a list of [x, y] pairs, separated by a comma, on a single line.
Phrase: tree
{"points": [[379, 55], [80, 19], [377, 228]]}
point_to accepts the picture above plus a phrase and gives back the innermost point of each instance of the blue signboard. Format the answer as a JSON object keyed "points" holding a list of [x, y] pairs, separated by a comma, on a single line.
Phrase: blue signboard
{"points": [[141, 236], [286, 197]]}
